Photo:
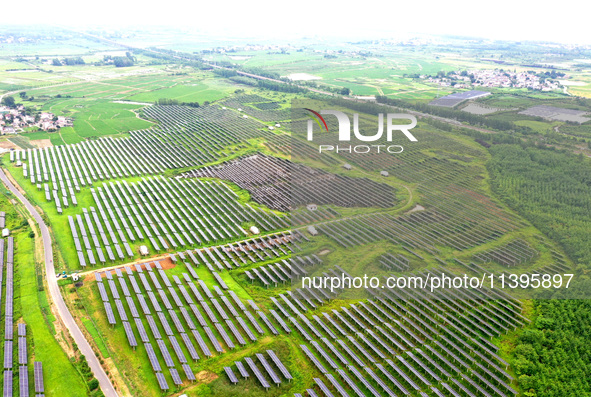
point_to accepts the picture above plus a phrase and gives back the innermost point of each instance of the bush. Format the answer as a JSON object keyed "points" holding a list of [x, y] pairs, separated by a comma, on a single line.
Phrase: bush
{"points": [[93, 384]]}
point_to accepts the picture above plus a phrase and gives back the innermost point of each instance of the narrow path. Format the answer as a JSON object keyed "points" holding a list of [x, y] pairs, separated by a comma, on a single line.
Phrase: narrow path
{"points": [[56, 296]]}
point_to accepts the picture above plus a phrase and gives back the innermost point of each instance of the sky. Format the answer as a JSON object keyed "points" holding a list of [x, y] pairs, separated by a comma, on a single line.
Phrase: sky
{"points": [[559, 21]]}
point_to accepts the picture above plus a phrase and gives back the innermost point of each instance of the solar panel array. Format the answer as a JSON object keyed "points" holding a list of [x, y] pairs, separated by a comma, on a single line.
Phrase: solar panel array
{"points": [[399, 341], [162, 214], [183, 317], [7, 247], [7, 252]]}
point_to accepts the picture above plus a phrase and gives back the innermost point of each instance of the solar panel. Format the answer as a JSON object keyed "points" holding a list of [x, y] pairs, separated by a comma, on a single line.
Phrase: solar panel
{"points": [[7, 389], [268, 368], [103, 292], [190, 346], [324, 355], [219, 309], [201, 343], [140, 327], [350, 352], [110, 315], [152, 357], [22, 350], [257, 373], [268, 323], [229, 306], [216, 344], [124, 286], [450, 390], [8, 354], [121, 310], [176, 379], [403, 375], [334, 324], [323, 387], [368, 385], [175, 297], [392, 379], [324, 327], [243, 372], [154, 279], [379, 381], [231, 376], [154, 301], [236, 333], [134, 285], [413, 370], [129, 333], [23, 380], [185, 294], [38, 371], [164, 322], [313, 358], [188, 372], [165, 353], [361, 349], [352, 385], [22, 329], [153, 327], [337, 385], [177, 349], [162, 381], [225, 335], [280, 321], [246, 329], [164, 299], [208, 311], [113, 288], [198, 314], [334, 351], [176, 321], [300, 328], [132, 308]]}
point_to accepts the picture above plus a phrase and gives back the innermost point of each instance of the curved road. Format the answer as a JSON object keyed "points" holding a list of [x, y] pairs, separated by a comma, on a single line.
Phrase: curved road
{"points": [[56, 296]]}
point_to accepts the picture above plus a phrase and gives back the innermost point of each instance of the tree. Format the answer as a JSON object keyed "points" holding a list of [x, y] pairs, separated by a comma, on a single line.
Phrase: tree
{"points": [[8, 101], [56, 62], [122, 62], [345, 91], [22, 94]]}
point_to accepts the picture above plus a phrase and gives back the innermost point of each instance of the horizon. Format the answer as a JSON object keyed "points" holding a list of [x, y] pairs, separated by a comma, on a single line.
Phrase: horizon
{"points": [[520, 22]]}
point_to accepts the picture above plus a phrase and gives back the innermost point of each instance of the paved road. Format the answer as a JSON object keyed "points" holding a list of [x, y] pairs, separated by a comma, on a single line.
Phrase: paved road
{"points": [[56, 296]]}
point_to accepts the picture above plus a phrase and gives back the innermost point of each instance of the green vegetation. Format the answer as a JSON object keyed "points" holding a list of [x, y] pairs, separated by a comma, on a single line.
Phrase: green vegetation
{"points": [[550, 188], [31, 306], [552, 357]]}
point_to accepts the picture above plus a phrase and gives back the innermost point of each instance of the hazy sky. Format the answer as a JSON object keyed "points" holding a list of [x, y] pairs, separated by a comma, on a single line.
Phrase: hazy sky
{"points": [[561, 21]]}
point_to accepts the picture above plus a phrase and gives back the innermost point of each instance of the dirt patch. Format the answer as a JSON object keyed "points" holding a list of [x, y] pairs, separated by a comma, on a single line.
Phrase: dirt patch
{"points": [[165, 262], [417, 207], [116, 377], [206, 376], [41, 143], [324, 252], [8, 145]]}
